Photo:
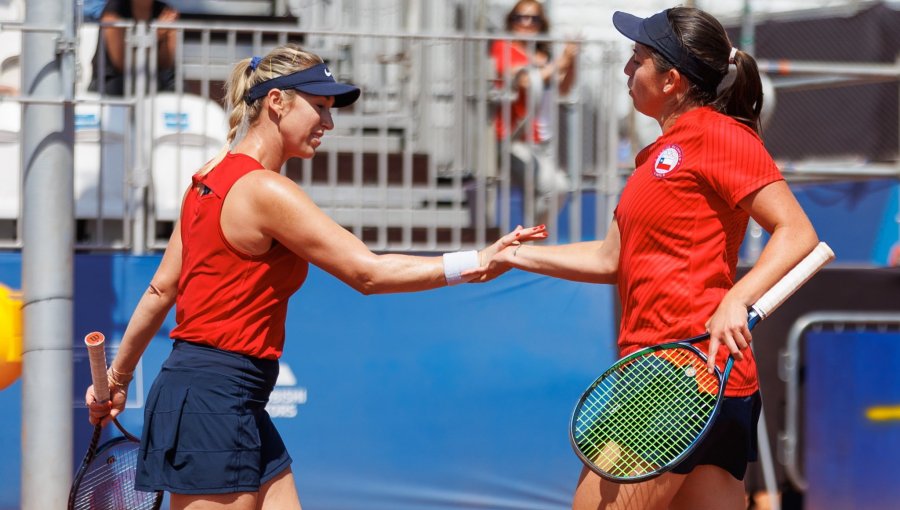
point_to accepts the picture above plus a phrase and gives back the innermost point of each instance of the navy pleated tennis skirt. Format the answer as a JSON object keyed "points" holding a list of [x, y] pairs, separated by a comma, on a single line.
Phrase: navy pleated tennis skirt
{"points": [[206, 430], [731, 442]]}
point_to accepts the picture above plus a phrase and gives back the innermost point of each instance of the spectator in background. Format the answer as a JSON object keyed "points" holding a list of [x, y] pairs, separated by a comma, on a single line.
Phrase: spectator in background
{"points": [[93, 9], [109, 60], [533, 73]]}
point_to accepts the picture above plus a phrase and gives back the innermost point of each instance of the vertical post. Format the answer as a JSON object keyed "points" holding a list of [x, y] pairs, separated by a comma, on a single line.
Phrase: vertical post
{"points": [[897, 165], [747, 44], [144, 41], [48, 136]]}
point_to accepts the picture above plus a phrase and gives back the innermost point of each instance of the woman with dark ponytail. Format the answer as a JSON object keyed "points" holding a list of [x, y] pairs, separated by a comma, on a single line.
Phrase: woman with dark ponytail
{"points": [[241, 248], [672, 248]]}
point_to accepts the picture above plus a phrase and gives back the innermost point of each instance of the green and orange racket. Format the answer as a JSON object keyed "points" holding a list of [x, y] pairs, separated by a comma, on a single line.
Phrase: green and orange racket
{"points": [[649, 410]]}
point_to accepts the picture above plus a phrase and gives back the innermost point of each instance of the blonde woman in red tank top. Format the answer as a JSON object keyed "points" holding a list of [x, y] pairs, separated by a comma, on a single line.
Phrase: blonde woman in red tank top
{"points": [[240, 249]]}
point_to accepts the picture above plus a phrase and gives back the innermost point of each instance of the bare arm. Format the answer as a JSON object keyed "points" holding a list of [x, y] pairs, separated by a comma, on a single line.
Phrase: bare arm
{"points": [[145, 322], [563, 67], [281, 210], [167, 39], [113, 41], [792, 238], [589, 261]]}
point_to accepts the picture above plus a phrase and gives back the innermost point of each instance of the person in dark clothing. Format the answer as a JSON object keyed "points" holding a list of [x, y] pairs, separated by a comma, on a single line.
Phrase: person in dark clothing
{"points": [[108, 64]]}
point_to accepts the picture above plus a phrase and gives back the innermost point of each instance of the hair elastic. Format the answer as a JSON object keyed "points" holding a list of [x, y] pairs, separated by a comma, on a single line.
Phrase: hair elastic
{"points": [[254, 63], [732, 54]]}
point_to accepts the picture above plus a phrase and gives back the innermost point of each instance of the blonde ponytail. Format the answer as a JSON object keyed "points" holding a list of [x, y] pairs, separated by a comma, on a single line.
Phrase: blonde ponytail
{"points": [[281, 61]]}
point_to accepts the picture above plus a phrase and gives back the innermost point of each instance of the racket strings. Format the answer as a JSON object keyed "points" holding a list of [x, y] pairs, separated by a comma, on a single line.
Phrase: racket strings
{"points": [[108, 482], [644, 413]]}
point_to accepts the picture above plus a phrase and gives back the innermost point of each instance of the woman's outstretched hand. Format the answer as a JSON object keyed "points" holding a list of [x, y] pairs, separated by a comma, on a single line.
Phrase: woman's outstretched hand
{"points": [[490, 267]]}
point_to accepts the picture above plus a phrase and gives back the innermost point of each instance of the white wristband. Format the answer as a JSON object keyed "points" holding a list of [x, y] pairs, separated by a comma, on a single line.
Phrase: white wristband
{"points": [[458, 261]]}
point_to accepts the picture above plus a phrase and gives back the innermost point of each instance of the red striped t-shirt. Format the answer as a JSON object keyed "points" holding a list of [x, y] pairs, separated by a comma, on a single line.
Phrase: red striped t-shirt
{"points": [[681, 229]]}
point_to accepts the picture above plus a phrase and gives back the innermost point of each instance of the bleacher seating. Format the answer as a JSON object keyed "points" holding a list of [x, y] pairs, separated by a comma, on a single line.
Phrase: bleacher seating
{"points": [[187, 131], [88, 34], [10, 173], [11, 44], [101, 160]]}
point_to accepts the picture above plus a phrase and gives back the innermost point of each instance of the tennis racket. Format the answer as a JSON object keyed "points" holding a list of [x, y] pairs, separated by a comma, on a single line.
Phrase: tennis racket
{"points": [[652, 408], [105, 480]]}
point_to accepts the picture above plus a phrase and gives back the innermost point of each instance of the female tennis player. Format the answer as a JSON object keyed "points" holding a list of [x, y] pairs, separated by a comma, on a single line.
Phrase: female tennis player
{"points": [[672, 247], [241, 248]]}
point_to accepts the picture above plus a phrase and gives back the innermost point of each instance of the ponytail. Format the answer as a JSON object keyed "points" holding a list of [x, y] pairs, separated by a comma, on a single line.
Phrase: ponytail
{"points": [[246, 73], [742, 98], [739, 94]]}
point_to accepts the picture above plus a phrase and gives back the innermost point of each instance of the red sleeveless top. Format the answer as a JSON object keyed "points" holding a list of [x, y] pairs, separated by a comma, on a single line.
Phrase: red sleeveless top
{"points": [[226, 298]]}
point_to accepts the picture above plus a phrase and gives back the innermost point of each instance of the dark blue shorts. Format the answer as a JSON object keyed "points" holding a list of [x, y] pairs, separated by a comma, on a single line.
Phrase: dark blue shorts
{"points": [[731, 443], [206, 430]]}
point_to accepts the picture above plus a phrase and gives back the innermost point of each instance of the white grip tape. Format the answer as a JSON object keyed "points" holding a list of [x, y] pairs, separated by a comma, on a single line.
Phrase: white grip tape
{"points": [[458, 261], [793, 280], [97, 357]]}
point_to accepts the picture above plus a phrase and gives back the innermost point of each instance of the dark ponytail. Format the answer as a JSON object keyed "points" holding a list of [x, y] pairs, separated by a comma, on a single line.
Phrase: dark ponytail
{"points": [[739, 94], [742, 99]]}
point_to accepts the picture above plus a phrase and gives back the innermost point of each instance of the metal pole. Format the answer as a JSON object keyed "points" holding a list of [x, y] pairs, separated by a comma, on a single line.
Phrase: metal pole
{"points": [[143, 40], [747, 44], [48, 134]]}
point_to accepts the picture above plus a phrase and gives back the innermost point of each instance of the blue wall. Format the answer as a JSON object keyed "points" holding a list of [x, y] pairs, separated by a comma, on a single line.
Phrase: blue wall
{"points": [[851, 460], [435, 400]]}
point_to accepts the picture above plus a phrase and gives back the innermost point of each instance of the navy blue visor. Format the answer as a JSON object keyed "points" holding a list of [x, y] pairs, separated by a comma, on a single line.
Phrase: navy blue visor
{"points": [[316, 80], [656, 32]]}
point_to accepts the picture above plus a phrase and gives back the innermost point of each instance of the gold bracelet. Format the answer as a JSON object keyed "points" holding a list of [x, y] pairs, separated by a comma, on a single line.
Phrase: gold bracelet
{"points": [[119, 379]]}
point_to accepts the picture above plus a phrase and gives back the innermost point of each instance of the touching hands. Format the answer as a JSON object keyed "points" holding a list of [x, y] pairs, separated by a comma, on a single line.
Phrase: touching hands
{"points": [[493, 257]]}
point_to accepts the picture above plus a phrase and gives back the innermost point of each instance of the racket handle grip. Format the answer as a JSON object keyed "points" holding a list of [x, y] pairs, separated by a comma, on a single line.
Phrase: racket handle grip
{"points": [[94, 342], [818, 258]]}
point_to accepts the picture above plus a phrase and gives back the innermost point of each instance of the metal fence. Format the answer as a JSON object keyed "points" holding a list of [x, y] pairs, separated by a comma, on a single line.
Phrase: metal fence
{"points": [[792, 370], [415, 165]]}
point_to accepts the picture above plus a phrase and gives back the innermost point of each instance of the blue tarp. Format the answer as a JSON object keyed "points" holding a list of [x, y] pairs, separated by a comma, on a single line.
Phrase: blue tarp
{"points": [[446, 399], [851, 456]]}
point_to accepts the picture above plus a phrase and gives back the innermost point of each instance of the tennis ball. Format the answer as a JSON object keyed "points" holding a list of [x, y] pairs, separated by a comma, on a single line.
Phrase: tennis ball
{"points": [[10, 336]]}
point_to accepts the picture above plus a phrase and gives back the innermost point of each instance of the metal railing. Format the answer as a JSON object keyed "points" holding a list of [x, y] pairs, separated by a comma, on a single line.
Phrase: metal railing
{"points": [[791, 366], [415, 165]]}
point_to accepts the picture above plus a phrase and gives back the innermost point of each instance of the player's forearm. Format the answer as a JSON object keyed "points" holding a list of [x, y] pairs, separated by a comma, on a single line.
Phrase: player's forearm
{"points": [[589, 262], [145, 322], [392, 273], [787, 246]]}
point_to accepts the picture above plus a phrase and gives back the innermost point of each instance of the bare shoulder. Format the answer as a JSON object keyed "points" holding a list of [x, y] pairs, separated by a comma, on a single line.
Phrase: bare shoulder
{"points": [[267, 188]]}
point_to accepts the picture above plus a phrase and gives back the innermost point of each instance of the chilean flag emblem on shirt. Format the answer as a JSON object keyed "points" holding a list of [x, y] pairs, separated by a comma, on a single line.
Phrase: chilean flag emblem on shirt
{"points": [[668, 161]]}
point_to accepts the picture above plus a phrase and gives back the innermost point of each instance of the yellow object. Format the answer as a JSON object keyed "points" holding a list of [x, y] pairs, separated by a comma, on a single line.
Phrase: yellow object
{"points": [[10, 336], [883, 413]]}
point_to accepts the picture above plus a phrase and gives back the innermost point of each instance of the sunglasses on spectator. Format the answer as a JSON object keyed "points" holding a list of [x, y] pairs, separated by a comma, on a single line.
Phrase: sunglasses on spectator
{"points": [[526, 18]]}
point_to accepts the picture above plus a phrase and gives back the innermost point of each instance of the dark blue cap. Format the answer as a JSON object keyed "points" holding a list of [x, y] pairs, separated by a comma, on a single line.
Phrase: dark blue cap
{"points": [[656, 32], [316, 80]]}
